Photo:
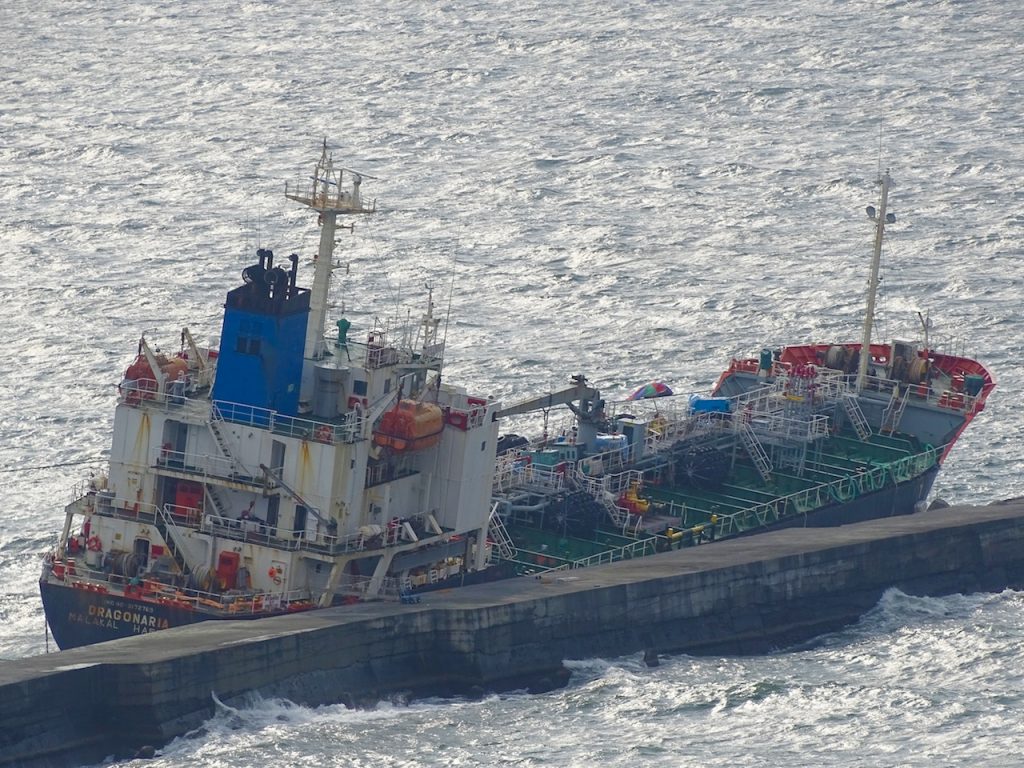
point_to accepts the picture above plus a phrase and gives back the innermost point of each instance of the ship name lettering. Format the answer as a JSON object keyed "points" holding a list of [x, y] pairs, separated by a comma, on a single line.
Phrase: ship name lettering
{"points": [[103, 616]]}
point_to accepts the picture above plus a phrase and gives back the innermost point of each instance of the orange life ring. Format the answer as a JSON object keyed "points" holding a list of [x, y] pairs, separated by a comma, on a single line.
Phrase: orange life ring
{"points": [[323, 434], [93, 544]]}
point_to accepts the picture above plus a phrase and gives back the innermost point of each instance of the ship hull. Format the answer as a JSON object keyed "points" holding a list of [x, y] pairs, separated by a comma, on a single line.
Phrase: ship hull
{"points": [[902, 499], [82, 617]]}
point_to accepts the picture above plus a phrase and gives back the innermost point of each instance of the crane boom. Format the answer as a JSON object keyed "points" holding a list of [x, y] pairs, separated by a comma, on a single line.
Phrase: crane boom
{"points": [[578, 391]]}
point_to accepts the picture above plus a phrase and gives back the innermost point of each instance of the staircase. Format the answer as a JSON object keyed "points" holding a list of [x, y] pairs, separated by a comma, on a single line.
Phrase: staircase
{"points": [[619, 516], [222, 444], [894, 412], [756, 451], [166, 526], [214, 502], [499, 534], [597, 489], [856, 416]]}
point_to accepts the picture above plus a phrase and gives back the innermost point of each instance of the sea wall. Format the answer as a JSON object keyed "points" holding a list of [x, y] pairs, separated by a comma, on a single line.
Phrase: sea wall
{"points": [[740, 596]]}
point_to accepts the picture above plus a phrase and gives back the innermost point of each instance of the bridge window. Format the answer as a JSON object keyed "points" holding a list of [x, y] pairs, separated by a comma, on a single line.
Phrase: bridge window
{"points": [[249, 337]]}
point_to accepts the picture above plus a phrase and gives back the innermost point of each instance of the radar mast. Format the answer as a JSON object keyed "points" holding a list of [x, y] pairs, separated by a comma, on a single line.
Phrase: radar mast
{"points": [[332, 190]]}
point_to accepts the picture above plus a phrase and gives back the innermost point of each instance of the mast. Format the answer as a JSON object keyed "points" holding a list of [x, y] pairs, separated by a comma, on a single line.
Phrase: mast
{"points": [[327, 195], [869, 313], [429, 324]]}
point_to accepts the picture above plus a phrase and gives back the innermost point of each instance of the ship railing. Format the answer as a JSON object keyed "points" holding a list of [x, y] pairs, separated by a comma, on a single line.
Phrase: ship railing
{"points": [[175, 393], [840, 490], [314, 539], [619, 483], [831, 386], [534, 561], [760, 398], [378, 351], [938, 392], [533, 476], [340, 545], [391, 588], [90, 486], [181, 517], [509, 469], [592, 484], [672, 407], [252, 531], [252, 603], [562, 426], [638, 548], [873, 384], [240, 602], [203, 465], [549, 562], [203, 378], [607, 461], [662, 432], [777, 426], [348, 429], [110, 505]]}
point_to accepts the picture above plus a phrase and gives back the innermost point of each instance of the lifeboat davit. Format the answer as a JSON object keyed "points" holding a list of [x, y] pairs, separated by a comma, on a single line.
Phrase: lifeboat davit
{"points": [[171, 367], [410, 426]]}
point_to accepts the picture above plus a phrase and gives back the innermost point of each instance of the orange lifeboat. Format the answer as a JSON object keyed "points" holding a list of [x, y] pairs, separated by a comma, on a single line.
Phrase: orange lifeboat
{"points": [[139, 369], [173, 367], [410, 426], [170, 366]]}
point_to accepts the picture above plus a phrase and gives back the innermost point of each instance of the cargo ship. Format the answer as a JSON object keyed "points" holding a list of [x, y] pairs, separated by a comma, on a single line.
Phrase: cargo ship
{"points": [[290, 468]]}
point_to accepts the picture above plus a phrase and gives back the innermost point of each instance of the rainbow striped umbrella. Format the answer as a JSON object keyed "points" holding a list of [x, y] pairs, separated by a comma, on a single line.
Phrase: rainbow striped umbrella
{"points": [[653, 389]]}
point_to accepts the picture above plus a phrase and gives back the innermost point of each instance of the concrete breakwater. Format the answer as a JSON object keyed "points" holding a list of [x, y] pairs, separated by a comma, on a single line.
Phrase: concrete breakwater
{"points": [[745, 595]]}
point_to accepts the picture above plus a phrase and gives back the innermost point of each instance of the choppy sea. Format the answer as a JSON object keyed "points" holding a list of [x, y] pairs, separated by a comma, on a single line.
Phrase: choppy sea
{"points": [[629, 190]]}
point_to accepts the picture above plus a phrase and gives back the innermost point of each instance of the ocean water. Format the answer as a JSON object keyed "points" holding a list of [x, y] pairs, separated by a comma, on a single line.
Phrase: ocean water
{"points": [[629, 190]]}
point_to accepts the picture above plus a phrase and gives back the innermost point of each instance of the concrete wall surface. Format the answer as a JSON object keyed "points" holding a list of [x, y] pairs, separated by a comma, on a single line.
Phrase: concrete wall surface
{"points": [[739, 596]]}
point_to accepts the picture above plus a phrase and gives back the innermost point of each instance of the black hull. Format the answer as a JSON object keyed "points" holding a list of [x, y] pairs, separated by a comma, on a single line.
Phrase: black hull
{"points": [[897, 500], [80, 617]]}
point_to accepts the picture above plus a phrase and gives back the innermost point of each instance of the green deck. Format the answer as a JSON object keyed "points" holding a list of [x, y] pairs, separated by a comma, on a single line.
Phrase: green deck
{"points": [[845, 468], [842, 468], [540, 550]]}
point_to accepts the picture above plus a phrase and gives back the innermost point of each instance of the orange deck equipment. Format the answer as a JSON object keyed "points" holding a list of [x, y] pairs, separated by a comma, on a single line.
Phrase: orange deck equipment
{"points": [[410, 426]]}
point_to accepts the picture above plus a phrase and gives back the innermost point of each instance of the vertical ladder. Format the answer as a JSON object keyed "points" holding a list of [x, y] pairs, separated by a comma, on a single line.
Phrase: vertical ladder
{"points": [[756, 451], [894, 412], [856, 416], [497, 531], [792, 457]]}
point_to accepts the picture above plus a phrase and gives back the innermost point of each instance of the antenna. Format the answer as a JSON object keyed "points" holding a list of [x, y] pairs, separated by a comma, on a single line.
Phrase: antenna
{"points": [[447, 317], [926, 324], [880, 127]]}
